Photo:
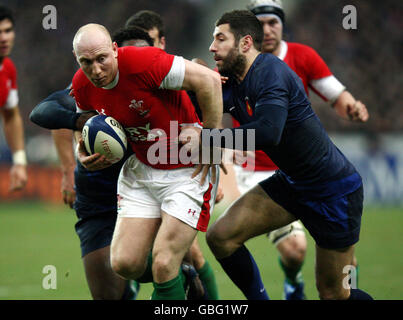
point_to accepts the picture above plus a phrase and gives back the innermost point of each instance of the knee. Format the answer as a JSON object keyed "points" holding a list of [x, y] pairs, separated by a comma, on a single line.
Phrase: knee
{"points": [[331, 291], [163, 266], [219, 243], [127, 267], [332, 294]]}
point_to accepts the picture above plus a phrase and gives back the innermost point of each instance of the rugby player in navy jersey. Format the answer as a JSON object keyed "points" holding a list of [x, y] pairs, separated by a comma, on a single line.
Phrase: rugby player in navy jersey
{"points": [[315, 182], [94, 197]]}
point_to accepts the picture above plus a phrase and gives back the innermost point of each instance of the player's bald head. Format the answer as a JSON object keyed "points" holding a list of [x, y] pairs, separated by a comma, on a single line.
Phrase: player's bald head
{"points": [[91, 36], [96, 54]]}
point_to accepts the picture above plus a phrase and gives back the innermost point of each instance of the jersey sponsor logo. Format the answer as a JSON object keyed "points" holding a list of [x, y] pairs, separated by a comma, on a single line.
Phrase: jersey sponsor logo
{"points": [[144, 133], [141, 109], [248, 107]]}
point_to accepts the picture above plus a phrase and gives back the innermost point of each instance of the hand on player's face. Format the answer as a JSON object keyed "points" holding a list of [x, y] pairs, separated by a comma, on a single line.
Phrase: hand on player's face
{"points": [[91, 162]]}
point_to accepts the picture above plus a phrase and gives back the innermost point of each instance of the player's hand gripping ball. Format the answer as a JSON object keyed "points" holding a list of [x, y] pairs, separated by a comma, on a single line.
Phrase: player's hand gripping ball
{"points": [[104, 135]]}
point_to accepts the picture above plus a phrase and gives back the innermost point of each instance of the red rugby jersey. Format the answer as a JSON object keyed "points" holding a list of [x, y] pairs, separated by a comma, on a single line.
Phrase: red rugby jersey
{"points": [[8, 80], [137, 103]]}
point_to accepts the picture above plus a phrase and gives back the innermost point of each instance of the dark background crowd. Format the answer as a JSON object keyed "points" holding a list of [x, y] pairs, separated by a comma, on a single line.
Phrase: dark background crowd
{"points": [[367, 60]]}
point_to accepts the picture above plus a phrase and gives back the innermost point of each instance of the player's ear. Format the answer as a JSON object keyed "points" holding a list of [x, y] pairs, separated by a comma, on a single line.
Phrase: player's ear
{"points": [[246, 43], [162, 42], [115, 49]]}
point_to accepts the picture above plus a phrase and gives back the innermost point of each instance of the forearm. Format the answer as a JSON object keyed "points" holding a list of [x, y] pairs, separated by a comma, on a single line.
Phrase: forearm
{"points": [[49, 115], [63, 140], [58, 111], [13, 129], [206, 84], [265, 132]]}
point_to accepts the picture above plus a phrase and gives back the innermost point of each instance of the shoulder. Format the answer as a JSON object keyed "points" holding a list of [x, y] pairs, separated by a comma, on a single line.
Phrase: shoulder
{"points": [[8, 66], [269, 66], [140, 59], [303, 53], [300, 48]]}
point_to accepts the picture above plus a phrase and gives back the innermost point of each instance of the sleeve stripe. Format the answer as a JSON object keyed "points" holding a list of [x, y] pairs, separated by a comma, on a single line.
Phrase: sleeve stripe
{"points": [[12, 99], [174, 79], [328, 87]]}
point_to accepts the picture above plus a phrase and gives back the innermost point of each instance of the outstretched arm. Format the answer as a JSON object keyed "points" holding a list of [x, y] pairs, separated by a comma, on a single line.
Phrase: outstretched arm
{"points": [[58, 111], [63, 139], [14, 134]]}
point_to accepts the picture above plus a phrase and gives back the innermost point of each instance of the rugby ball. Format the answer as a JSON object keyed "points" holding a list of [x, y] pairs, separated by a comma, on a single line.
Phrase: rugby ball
{"points": [[103, 134]]}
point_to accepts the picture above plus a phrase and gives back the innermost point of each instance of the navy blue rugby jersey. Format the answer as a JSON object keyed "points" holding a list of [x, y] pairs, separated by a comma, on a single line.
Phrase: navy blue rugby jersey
{"points": [[271, 99]]}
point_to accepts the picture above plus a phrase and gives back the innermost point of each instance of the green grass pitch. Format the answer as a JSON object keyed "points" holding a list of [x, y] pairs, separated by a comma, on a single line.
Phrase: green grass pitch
{"points": [[33, 235]]}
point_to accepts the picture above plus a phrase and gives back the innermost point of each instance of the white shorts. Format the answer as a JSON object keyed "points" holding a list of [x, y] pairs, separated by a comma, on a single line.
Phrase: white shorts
{"points": [[143, 192], [246, 180]]}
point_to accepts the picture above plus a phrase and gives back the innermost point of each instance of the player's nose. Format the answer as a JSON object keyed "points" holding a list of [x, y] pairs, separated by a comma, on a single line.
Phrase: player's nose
{"points": [[212, 47], [96, 69]]}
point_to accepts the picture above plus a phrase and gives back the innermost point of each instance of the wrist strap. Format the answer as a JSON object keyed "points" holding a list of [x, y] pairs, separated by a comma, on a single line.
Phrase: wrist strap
{"points": [[20, 158]]}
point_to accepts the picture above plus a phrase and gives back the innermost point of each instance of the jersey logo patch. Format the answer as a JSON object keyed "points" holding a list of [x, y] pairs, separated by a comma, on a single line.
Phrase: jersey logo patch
{"points": [[141, 109], [248, 108]]}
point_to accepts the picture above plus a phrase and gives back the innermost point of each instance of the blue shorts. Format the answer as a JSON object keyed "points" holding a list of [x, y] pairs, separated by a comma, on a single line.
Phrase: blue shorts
{"points": [[332, 218], [96, 231]]}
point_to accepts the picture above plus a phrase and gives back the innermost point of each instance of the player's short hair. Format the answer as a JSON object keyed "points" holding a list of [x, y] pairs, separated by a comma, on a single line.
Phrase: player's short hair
{"points": [[147, 20], [6, 13], [262, 7], [242, 23], [131, 33]]}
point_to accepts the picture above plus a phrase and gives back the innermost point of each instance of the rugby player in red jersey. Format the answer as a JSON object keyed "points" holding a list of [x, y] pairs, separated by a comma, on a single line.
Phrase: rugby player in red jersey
{"points": [[160, 207], [12, 122]]}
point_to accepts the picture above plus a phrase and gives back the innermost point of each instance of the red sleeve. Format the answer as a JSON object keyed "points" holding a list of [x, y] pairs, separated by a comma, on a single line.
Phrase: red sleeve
{"points": [[12, 74], [149, 64], [315, 67]]}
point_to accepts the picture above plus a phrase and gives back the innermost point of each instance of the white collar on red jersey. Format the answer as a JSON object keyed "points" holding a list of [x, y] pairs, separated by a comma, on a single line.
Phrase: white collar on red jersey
{"points": [[113, 83], [283, 50]]}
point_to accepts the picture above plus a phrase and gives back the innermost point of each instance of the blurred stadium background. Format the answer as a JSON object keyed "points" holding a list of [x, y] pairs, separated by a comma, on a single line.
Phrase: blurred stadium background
{"points": [[37, 230]]}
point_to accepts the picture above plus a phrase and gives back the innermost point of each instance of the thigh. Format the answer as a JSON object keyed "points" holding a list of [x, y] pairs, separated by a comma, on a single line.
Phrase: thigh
{"points": [[174, 236], [133, 237], [330, 272], [252, 214], [102, 281], [173, 240]]}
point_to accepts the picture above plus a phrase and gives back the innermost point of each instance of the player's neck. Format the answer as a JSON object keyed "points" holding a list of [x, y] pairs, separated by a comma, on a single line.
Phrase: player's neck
{"points": [[250, 58], [277, 51], [1, 60]]}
